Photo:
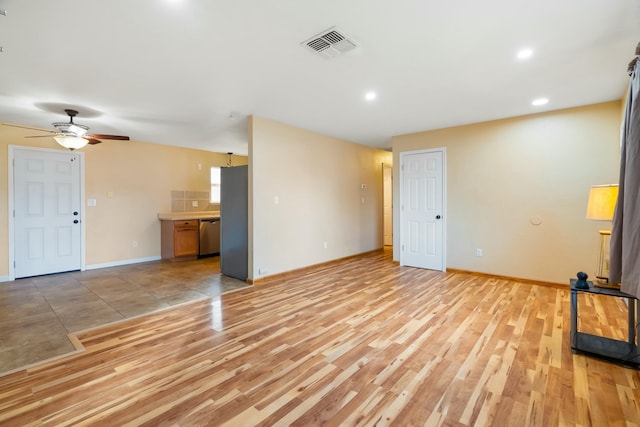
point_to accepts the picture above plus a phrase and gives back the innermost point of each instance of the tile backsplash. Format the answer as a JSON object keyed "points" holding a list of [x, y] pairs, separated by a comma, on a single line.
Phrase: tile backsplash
{"points": [[192, 201]]}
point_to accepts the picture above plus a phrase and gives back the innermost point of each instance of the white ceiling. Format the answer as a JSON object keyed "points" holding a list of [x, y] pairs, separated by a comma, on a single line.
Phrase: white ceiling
{"points": [[172, 71]]}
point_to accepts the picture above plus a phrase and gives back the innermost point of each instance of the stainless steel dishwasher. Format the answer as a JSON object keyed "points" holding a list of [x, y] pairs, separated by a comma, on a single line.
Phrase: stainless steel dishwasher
{"points": [[209, 237]]}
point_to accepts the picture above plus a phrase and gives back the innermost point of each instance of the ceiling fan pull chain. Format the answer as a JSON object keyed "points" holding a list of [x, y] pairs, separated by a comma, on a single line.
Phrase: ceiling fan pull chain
{"points": [[3, 12]]}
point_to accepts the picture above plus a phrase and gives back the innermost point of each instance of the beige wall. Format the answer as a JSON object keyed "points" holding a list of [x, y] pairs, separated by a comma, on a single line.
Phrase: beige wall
{"points": [[317, 180], [140, 176], [502, 175]]}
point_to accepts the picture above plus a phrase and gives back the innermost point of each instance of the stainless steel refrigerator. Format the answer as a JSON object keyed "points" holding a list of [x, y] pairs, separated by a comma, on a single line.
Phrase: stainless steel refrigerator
{"points": [[234, 221]]}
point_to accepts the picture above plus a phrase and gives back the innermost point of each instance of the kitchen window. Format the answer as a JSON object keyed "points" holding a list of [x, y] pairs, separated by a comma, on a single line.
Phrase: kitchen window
{"points": [[215, 185]]}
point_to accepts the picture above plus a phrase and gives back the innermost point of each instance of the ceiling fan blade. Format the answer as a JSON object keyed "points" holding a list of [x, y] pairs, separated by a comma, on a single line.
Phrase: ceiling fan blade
{"points": [[30, 128], [43, 136], [93, 141], [101, 136]]}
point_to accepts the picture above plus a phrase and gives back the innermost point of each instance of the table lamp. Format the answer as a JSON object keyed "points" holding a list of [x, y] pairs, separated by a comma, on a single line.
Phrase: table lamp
{"points": [[601, 205]]}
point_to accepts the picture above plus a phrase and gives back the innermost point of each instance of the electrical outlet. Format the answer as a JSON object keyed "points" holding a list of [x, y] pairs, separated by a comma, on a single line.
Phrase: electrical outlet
{"points": [[478, 251], [325, 245]]}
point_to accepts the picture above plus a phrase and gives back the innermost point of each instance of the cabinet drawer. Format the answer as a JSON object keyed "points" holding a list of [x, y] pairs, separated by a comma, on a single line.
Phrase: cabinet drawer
{"points": [[191, 223]]}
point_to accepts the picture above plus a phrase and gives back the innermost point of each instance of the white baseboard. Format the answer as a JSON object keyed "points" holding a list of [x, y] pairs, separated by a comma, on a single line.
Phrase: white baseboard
{"points": [[103, 265], [121, 262]]}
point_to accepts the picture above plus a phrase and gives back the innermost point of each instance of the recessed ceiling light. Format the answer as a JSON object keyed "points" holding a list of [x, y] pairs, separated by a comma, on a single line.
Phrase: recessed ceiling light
{"points": [[370, 96], [540, 101], [524, 53]]}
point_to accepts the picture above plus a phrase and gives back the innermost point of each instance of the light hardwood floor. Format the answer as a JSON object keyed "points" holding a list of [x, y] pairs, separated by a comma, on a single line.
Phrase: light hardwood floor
{"points": [[362, 342]]}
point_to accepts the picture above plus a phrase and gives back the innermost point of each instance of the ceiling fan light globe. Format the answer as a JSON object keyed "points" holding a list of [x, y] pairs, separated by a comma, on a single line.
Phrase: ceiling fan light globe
{"points": [[71, 142]]}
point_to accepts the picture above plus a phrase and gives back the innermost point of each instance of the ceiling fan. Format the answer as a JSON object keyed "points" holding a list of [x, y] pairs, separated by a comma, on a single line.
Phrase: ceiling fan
{"points": [[73, 135]]}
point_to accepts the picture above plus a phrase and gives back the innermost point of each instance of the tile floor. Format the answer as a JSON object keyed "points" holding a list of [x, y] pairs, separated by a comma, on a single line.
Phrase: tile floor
{"points": [[37, 313]]}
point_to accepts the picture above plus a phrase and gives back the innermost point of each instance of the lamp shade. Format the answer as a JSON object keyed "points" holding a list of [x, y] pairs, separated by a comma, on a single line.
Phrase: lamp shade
{"points": [[602, 202], [71, 142]]}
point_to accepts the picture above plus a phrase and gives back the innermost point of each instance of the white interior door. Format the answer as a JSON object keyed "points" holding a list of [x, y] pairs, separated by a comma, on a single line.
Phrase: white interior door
{"points": [[387, 197], [422, 213], [47, 211]]}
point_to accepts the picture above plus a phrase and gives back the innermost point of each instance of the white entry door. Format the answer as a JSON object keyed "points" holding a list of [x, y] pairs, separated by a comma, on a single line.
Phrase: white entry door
{"points": [[422, 213], [47, 211]]}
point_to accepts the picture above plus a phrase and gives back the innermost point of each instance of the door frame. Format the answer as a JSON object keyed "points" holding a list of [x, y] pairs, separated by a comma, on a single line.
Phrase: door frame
{"points": [[390, 195], [403, 155], [10, 202]]}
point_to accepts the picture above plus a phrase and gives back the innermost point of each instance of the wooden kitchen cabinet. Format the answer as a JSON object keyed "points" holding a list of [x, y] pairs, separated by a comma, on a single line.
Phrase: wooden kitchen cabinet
{"points": [[179, 239]]}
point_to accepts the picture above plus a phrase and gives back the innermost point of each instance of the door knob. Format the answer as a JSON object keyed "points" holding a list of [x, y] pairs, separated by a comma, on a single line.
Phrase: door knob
{"points": [[75, 212], [75, 221], [437, 216]]}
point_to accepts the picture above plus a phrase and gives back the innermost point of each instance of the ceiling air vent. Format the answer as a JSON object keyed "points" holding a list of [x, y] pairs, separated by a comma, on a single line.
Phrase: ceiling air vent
{"points": [[330, 43]]}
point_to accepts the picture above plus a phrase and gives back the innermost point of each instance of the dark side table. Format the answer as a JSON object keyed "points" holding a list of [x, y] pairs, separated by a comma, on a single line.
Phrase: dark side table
{"points": [[625, 352]]}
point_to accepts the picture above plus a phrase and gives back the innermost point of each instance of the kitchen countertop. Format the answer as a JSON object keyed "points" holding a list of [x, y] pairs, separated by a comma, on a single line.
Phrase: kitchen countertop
{"points": [[182, 216]]}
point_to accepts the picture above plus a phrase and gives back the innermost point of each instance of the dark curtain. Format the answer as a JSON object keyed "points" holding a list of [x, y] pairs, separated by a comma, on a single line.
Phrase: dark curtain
{"points": [[625, 234]]}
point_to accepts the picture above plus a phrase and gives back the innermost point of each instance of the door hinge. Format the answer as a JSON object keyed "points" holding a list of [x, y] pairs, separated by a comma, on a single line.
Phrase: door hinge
{"points": [[403, 248]]}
